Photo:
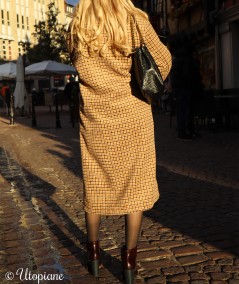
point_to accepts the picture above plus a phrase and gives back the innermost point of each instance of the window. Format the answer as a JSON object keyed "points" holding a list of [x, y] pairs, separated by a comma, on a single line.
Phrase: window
{"points": [[9, 50], [2, 14], [17, 20], [27, 23], [23, 22], [8, 18]]}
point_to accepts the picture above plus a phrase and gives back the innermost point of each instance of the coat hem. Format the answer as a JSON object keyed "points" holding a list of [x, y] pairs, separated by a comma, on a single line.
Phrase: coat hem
{"points": [[105, 213]]}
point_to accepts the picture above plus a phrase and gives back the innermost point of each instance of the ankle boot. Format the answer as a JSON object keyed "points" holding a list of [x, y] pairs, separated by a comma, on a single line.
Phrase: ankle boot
{"points": [[128, 257], [93, 250]]}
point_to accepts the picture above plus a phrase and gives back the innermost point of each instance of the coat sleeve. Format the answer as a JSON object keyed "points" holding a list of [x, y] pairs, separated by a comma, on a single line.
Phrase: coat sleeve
{"points": [[158, 50]]}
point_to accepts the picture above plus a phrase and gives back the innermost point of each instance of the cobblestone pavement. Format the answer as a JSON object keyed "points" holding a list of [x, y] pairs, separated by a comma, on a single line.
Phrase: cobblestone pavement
{"points": [[190, 236]]}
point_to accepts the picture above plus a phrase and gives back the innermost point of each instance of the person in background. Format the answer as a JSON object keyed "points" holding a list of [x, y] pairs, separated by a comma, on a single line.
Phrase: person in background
{"points": [[116, 127], [68, 94], [5, 93], [185, 78], [74, 103], [68, 88], [166, 97], [197, 94]]}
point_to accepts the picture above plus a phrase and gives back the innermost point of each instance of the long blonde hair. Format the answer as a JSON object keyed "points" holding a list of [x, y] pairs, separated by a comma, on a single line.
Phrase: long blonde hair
{"points": [[100, 24]]}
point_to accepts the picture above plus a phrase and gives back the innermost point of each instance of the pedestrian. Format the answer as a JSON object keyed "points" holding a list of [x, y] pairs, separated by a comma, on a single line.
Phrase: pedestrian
{"points": [[8, 99], [166, 97], [116, 127], [196, 95], [68, 94], [68, 89], [5, 93], [74, 103], [185, 79]]}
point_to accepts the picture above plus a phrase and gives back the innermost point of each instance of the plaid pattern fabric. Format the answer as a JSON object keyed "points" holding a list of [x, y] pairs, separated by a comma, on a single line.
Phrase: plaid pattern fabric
{"points": [[117, 132]]}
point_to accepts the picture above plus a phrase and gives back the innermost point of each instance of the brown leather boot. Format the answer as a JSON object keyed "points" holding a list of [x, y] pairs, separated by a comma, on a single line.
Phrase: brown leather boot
{"points": [[128, 257], [93, 250]]}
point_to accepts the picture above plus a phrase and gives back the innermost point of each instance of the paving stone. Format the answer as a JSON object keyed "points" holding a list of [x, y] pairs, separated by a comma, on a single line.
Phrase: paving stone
{"points": [[70, 261], [219, 255], [178, 277], [219, 282], [170, 244], [152, 255], [225, 261], [172, 270], [37, 244], [37, 235], [11, 237], [44, 261], [41, 253], [84, 280], [193, 259], [186, 250], [220, 275], [233, 281], [193, 268], [64, 251], [15, 244], [199, 276], [155, 280], [199, 282], [230, 268], [145, 246], [13, 259], [36, 227], [76, 270], [158, 264]]}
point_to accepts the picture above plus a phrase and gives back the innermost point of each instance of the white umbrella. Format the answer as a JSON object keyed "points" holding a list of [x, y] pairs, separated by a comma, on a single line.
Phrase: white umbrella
{"points": [[7, 69], [49, 68], [20, 92]]}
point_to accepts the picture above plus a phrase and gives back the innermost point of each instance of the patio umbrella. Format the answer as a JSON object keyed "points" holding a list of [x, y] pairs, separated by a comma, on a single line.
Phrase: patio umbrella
{"points": [[20, 91], [7, 69], [49, 68]]}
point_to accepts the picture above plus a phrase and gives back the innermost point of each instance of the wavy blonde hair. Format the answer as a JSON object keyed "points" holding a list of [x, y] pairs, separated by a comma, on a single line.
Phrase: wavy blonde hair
{"points": [[99, 25]]}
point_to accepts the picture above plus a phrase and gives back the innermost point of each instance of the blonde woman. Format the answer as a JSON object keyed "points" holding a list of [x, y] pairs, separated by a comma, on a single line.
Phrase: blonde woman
{"points": [[116, 126]]}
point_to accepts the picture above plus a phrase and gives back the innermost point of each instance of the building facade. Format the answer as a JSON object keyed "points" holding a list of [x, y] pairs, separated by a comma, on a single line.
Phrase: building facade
{"points": [[212, 27], [17, 20]]}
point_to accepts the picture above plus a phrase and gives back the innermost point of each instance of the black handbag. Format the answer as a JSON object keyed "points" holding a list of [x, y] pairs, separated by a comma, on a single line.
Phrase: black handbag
{"points": [[145, 69]]}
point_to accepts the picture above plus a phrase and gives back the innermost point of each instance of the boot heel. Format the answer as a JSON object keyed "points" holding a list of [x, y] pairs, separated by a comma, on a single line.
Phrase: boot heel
{"points": [[128, 276], [93, 250], [94, 267], [128, 257]]}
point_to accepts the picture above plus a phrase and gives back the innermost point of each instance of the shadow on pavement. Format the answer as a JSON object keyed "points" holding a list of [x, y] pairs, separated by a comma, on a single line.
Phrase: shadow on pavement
{"points": [[201, 210], [56, 219], [197, 209]]}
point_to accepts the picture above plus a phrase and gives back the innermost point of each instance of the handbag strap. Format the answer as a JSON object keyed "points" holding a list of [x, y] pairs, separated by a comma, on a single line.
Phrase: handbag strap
{"points": [[133, 24]]}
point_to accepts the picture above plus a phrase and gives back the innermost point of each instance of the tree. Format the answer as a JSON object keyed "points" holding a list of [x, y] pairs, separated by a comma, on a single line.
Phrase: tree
{"points": [[50, 39]]}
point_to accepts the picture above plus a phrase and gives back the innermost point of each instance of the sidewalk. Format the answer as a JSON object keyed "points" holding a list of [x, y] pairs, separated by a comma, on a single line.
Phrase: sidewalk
{"points": [[190, 236]]}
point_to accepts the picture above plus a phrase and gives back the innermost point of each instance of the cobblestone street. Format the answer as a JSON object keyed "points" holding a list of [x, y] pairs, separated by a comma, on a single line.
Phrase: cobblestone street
{"points": [[190, 236]]}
